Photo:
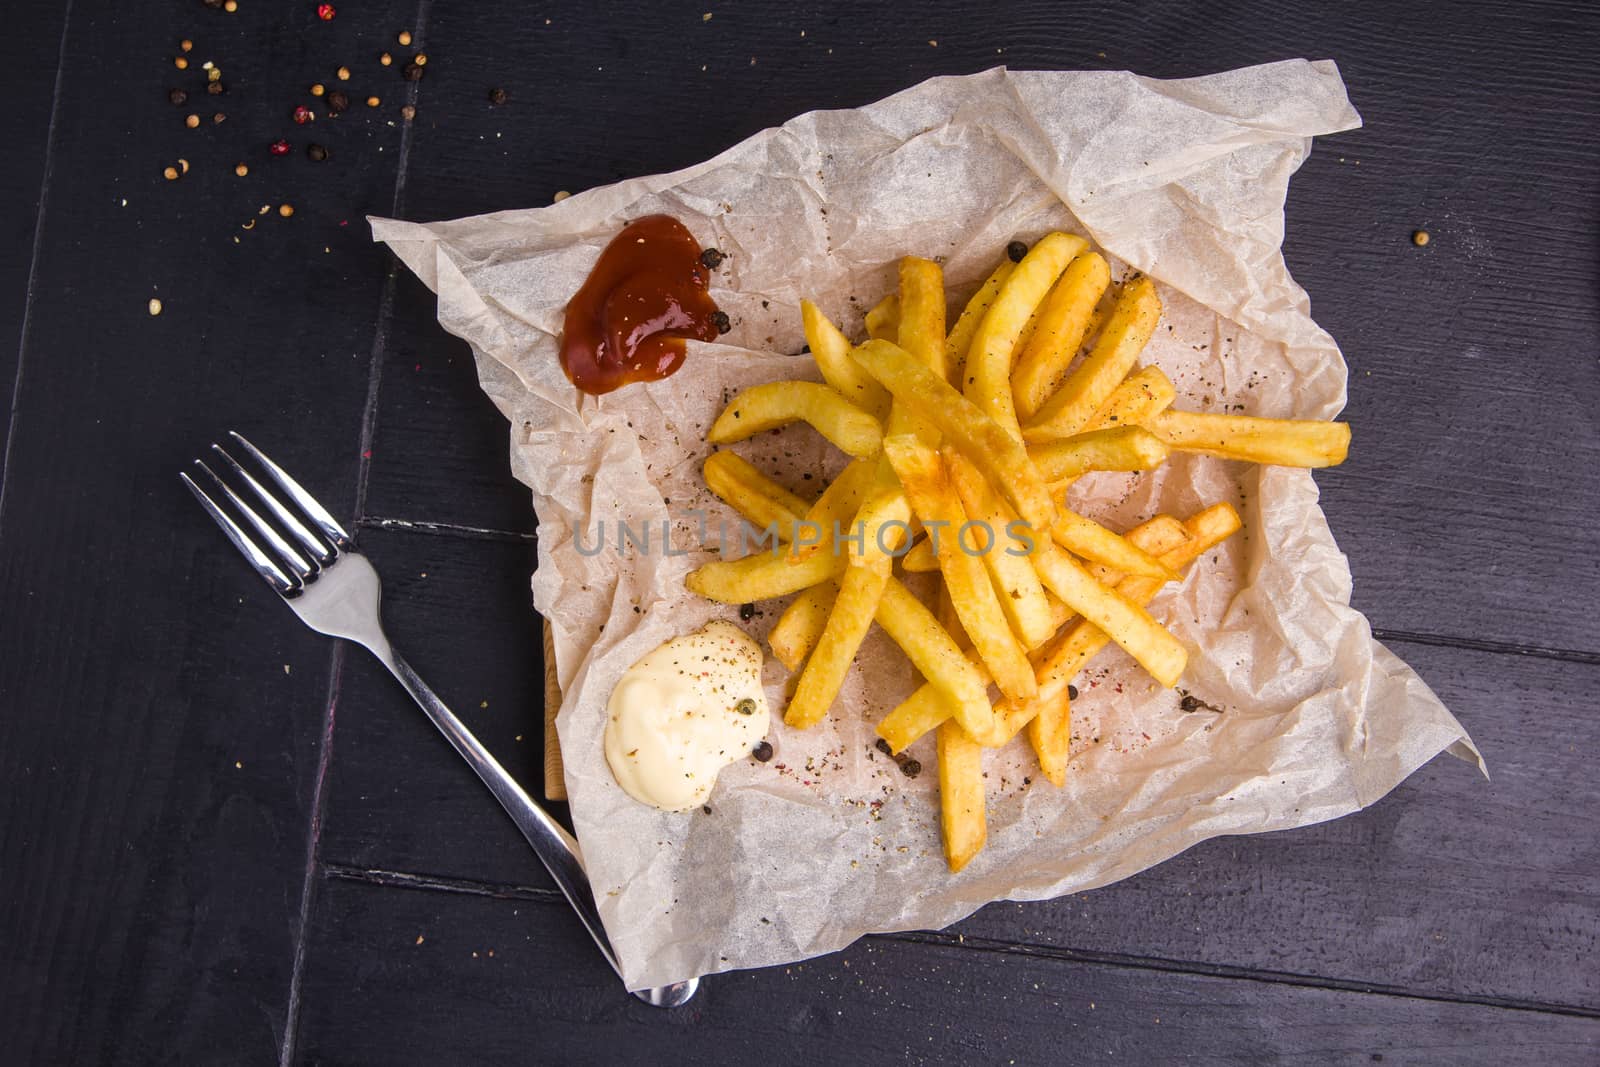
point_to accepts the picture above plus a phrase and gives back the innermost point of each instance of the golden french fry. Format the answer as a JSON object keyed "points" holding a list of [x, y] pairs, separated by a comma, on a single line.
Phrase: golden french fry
{"points": [[859, 591], [1094, 542], [987, 377], [962, 686], [924, 710], [1050, 736], [773, 404], [961, 800], [1133, 319], [832, 510], [831, 351], [1154, 537], [1000, 457], [1124, 448], [1084, 639], [1016, 584], [920, 559], [960, 339], [1282, 442], [927, 486], [1064, 321], [1128, 624], [760, 577], [921, 334], [795, 633], [752, 494], [1142, 394], [883, 321]]}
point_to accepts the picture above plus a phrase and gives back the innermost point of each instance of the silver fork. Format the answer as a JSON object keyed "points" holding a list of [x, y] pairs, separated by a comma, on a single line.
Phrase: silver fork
{"points": [[312, 563]]}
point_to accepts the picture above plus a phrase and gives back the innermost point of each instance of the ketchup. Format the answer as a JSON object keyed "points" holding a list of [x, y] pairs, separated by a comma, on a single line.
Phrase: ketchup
{"points": [[645, 296]]}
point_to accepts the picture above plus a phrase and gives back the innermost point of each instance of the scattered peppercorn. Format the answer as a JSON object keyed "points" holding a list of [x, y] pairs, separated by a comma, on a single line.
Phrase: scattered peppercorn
{"points": [[706, 808], [343, 74], [279, 147], [318, 89], [181, 63], [412, 72], [747, 706], [186, 44], [721, 321], [170, 173], [1016, 250], [373, 101], [1420, 238], [216, 88], [408, 112], [1072, 692], [286, 210], [337, 102], [404, 37], [762, 752], [497, 96], [385, 58], [240, 169], [911, 768], [303, 115], [1189, 703], [712, 258], [178, 97], [326, 12], [883, 746], [747, 612]]}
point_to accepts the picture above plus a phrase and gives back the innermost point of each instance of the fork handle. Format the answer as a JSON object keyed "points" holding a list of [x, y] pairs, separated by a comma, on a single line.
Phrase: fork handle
{"points": [[550, 840]]}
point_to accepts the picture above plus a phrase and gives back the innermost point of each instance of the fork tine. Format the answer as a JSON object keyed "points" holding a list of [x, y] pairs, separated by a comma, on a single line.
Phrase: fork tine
{"points": [[302, 567], [263, 563], [307, 503], [321, 553]]}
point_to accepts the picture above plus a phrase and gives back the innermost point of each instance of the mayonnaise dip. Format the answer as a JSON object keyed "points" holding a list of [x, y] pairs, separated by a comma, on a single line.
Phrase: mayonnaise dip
{"points": [[684, 712]]}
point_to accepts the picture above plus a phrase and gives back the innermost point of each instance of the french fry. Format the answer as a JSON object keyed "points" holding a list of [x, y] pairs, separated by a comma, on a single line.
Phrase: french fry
{"points": [[920, 559], [930, 647], [1064, 320], [1124, 448], [1142, 394], [1050, 737], [1094, 542], [961, 801], [987, 377], [883, 321], [924, 710], [751, 493], [1128, 624], [860, 589], [773, 404], [1016, 584], [837, 504], [920, 327], [795, 633], [1000, 457], [927, 486], [1282, 442], [831, 351], [960, 338], [1133, 319]]}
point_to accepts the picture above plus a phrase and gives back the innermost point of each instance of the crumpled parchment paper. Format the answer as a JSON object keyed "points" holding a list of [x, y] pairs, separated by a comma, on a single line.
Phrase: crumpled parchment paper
{"points": [[1184, 180]]}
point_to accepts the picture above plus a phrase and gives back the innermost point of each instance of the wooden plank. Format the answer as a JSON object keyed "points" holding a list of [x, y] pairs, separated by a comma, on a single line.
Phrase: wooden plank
{"points": [[163, 713], [399, 797], [379, 959]]}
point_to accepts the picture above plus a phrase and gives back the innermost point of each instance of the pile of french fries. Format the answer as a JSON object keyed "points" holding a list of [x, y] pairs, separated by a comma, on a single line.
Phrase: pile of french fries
{"points": [[967, 434]]}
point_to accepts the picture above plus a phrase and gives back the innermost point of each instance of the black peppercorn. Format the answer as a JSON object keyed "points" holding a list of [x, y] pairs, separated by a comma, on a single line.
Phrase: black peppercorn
{"points": [[762, 752], [747, 612], [497, 96], [1016, 250], [316, 152], [337, 102], [178, 97], [883, 746], [215, 88], [747, 706], [706, 808], [721, 321], [412, 72], [1189, 703], [911, 768], [1072, 692], [711, 258]]}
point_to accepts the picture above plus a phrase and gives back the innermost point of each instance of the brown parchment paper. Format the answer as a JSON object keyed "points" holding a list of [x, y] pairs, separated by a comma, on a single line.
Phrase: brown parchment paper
{"points": [[1184, 180]]}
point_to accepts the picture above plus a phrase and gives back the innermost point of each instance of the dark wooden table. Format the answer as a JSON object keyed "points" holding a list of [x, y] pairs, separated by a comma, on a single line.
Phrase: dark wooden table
{"points": [[223, 839]]}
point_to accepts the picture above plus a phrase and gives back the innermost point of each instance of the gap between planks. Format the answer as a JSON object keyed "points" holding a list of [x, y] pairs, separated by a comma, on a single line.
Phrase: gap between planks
{"points": [[387, 879]]}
